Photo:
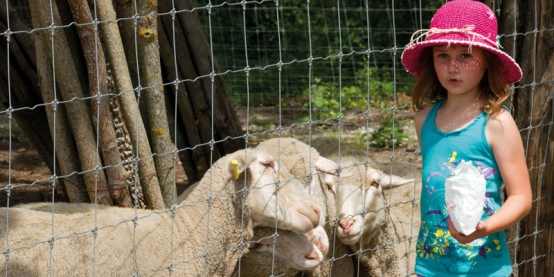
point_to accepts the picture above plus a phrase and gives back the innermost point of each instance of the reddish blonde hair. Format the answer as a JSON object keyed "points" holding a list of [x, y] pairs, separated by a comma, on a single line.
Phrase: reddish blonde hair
{"points": [[428, 90]]}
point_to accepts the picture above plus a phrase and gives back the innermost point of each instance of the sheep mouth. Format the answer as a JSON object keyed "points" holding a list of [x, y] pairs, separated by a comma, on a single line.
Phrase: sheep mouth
{"points": [[308, 264], [349, 239], [311, 220]]}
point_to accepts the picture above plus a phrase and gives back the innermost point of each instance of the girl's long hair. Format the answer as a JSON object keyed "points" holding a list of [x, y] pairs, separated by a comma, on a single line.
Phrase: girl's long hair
{"points": [[428, 90]]}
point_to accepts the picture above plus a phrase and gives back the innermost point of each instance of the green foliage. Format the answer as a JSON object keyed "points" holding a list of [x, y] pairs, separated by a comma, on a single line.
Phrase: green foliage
{"points": [[342, 40], [383, 137], [327, 102], [372, 83]]}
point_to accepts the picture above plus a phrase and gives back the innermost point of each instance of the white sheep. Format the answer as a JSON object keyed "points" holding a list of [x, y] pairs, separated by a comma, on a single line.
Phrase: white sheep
{"points": [[307, 165], [203, 236], [292, 252], [295, 250], [363, 221]]}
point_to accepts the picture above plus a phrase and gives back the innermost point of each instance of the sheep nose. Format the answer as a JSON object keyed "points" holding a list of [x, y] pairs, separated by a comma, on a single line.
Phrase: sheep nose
{"points": [[318, 213], [312, 255], [346, 223], [316, 210]]}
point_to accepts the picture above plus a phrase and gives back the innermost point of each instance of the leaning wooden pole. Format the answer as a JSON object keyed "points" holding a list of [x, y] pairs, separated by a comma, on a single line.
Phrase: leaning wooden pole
{"points": [[66, 153], [77, 110], [116, 56], [225, 118], [150, 80], [100, 107], [170, 31]]}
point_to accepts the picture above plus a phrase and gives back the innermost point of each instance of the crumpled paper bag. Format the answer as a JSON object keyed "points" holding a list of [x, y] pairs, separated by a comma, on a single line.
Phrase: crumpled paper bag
{"points": [[465, 197]]}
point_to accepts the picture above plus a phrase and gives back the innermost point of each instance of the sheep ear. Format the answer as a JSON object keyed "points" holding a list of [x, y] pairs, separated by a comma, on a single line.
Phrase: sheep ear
{"points": [[329, 167], [390, 181], [238, 164]]}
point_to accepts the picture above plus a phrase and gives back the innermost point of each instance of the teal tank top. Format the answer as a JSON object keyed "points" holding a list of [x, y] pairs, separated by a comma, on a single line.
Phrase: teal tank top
{"points": [[438, 253]]}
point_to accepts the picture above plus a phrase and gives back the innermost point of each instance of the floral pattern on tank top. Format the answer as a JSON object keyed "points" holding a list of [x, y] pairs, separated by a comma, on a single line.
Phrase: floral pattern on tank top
{"points": [[435, 242]]}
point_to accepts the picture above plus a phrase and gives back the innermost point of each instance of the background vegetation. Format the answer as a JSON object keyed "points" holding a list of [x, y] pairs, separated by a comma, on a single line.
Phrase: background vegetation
{"points": [[352, 49]]}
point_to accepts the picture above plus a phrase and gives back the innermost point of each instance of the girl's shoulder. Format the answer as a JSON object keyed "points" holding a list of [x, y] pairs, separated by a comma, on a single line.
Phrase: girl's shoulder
{"points": [[502, 119], [421, 115], [500, 127]]}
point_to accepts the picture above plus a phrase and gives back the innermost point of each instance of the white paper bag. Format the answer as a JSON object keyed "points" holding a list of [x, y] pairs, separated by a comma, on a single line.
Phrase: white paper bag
{"points": [[465, 197]]}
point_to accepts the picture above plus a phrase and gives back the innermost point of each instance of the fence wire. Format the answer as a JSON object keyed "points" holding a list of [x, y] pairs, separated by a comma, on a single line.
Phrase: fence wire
{"points": [[277, 85]]}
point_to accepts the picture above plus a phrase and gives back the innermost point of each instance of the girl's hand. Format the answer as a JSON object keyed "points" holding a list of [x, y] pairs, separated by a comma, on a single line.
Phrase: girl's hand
{"points": [[481, 231]]}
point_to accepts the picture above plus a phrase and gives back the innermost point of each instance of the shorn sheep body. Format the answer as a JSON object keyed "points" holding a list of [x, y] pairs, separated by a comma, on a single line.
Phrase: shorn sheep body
{"points": [[203, 236], [295, 250]]}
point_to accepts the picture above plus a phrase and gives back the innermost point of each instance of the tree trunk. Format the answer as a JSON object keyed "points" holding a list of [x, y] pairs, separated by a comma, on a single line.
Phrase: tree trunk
{"points": [[24, 39], [66, 153], [149, 73], [21, 89], [101, 111], [113, 40], [533, 113], [199, 104], [71, 90], [181, 143], [197, 159], [225, 119]]}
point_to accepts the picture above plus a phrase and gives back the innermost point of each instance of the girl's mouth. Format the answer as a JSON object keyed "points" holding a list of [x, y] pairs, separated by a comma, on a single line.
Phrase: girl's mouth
{"points": [[453, 81]]}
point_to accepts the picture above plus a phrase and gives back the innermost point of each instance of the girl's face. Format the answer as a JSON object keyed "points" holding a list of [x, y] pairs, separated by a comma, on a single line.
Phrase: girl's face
{"points": [[458, 70]]}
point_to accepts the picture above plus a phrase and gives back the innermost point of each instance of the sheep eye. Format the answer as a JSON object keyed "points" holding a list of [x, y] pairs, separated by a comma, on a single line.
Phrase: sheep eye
{"points": [[268, 162], [330, 188], [373, 184], [255, 246]]}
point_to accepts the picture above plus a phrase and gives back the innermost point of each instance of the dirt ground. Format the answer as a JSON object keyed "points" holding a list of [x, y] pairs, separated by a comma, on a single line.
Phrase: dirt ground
{"points": [[27, 174], [30, 177]]}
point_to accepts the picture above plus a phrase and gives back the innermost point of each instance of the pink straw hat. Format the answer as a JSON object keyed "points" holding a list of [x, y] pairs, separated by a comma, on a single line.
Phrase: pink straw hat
{"points": [[461, 22]]}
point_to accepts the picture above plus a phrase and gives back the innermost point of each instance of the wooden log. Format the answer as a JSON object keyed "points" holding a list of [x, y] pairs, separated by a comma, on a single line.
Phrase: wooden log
{"points": [[71, 88], [122, 73]]}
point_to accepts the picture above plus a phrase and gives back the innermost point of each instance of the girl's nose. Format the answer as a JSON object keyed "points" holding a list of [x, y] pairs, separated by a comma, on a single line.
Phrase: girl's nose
{"points": [[453, 65]]}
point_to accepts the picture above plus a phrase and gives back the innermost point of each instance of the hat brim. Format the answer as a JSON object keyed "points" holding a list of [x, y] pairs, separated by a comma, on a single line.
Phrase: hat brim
{"points": [[411, 55]]}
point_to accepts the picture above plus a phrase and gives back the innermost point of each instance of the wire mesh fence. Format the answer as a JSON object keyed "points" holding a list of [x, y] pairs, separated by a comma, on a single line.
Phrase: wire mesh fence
{"points": [[166, 109]]}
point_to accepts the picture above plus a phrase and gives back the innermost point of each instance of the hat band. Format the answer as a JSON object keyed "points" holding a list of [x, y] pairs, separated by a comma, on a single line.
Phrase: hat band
{"points": [[468, 31]]}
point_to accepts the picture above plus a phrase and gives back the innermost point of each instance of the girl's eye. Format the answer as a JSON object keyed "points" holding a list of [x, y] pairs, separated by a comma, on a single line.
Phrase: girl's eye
{"points": [[441, 55], [466, 56]]}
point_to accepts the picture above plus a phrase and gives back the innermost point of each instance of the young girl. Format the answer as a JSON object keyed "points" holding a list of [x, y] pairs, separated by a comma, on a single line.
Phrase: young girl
{"points": [[462, 83]]}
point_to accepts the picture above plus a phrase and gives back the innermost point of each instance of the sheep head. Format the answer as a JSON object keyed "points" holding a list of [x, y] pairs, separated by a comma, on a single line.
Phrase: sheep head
{"points": [[360, 204], [275, 198], [297, 250]]}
